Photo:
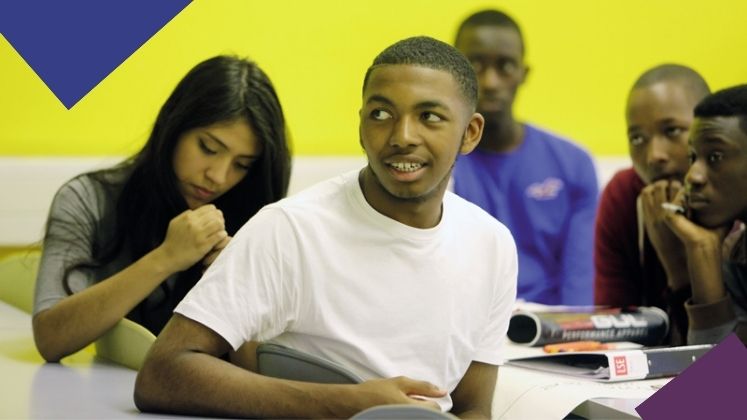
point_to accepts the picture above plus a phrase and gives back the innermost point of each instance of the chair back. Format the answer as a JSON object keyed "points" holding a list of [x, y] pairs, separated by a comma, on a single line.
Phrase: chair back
{"points": [[286, 363], [127, 344], [18, 278], [402, 411]]}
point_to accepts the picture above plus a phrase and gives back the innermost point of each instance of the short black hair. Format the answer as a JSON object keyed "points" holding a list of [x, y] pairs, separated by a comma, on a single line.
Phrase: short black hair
{"points": [[433, 54], [490, 17], [691, 79], [729, 102]]}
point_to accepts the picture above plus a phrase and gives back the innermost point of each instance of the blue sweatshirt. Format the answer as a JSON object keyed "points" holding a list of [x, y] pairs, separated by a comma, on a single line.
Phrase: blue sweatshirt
{"points": [[546, 193]]}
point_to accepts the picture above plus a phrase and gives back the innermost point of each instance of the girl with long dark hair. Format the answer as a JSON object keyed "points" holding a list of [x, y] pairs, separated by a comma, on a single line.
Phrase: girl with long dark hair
{"points": [[131, 240]]}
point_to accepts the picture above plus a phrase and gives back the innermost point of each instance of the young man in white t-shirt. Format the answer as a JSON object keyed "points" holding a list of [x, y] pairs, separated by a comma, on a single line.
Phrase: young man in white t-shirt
{"points": [[380, 270]]}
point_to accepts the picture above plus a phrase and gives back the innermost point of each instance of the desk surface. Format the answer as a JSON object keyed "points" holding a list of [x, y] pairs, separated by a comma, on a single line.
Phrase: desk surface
{"points": [[82, 386]]}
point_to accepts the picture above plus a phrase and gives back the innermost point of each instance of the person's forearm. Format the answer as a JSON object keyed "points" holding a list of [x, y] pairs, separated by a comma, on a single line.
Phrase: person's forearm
{"points": [[704, 268], [81, 318], [677, 273], [199, 384], [473, 397], [672, 256]]}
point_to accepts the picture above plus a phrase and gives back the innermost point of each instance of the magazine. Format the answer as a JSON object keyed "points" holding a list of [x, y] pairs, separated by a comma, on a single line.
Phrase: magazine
{"points": [[643, 325], [617, 365]]}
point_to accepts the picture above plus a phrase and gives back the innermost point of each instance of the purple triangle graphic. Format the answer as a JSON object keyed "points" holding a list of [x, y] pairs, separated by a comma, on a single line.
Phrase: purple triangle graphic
{"points": [[711, 388], [73, 45]]}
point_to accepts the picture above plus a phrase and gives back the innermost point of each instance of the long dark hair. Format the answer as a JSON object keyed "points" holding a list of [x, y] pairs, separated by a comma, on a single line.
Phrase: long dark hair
{"points": [[220, 89]]}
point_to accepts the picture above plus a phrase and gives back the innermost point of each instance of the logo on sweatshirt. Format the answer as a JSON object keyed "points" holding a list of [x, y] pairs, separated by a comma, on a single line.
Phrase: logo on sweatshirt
{"points": [[545, 190]]}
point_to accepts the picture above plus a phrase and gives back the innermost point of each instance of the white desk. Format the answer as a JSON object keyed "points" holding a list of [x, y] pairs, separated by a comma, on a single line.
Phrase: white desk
{"points": [[83, 387], [79, 387]]}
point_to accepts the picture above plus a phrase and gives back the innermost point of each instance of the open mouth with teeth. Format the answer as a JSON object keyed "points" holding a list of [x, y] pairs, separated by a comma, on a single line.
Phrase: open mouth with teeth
{"points": [[406, 166], [406, 172]]}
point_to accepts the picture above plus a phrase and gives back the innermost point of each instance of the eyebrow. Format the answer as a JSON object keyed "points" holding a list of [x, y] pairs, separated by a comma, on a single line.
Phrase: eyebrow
{"points": [[224, 146], [670, 120], [711, 138], [430, 104], [488, 55], [667, 120]]}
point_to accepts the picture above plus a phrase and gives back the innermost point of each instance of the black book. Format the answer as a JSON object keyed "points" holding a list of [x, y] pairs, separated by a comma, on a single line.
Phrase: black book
{"points": [[617, 365], [647, 326]]}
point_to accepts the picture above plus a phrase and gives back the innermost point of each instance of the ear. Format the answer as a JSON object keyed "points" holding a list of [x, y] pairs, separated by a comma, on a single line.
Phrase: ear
{"points": [[525, 75], [472, 134], [360, 128]]}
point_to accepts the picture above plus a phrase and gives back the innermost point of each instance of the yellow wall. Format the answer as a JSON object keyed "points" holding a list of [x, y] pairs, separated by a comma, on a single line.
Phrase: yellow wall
{"points": [[584, 56]]}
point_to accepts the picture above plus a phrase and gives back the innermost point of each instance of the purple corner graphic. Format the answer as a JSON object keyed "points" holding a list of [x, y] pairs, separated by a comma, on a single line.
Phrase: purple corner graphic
{"points": [[73, 45], [711, 388]]}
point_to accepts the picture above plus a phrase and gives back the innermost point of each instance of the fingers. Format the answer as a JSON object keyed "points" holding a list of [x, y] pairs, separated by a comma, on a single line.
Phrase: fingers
{"points": [[426, 403], [677, 221], [209, 258], [421, 391], [674, 208], [193, 234], [679, 201], [205, 222], [218, 239], [209, 215], [206, 209], [209, 246], [659, 191], [660, 198], [213, 254], [222, 244], [212, 229], [662, 191], [651, 196], [412, 388], [399, 390], [673, 189]]}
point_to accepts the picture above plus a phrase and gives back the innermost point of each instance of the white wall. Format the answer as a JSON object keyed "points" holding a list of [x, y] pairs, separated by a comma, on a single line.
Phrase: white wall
{"points": [[28, 185]]}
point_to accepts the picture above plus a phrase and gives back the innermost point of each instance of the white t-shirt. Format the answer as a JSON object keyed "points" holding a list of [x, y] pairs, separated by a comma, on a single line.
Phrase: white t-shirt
{"points": [[324, 273]]}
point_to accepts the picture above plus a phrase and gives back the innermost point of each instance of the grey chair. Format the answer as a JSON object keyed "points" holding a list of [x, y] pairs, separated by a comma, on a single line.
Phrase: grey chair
{"points": [[402, 411], [286, 363]]}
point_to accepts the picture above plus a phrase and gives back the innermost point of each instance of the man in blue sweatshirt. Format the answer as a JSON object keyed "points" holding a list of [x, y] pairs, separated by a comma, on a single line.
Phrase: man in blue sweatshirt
{"points": [[542, 187]]}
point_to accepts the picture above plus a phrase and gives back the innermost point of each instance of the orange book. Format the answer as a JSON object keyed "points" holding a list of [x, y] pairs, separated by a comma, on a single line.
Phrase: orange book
{"points": [[577, 346]]}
